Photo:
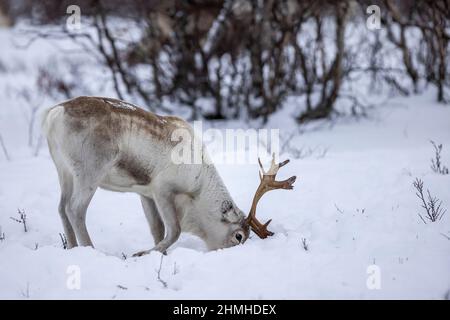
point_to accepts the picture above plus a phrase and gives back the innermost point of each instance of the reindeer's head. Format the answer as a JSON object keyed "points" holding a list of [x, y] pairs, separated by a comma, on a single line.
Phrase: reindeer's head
{"points": [[234, 218], [234, 227]]}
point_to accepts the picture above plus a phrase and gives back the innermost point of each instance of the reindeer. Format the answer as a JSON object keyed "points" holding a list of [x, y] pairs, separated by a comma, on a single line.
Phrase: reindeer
{"points": [[108, 143]]}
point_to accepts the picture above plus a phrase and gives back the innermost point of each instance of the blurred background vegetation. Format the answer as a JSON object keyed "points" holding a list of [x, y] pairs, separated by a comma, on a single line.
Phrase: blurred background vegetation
{"points": [[245, 58]]}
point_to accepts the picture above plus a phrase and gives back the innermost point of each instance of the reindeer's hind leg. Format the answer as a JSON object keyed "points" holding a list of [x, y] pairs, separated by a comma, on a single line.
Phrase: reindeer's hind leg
{"points": [[65, 179], [65, 182], [76, 208], [89, 167], [86, 180]]}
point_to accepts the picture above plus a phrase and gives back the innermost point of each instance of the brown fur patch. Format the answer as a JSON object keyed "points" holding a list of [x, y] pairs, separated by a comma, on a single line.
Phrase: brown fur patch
{"points": [[134, 170], [104, 109], [77, 125]]}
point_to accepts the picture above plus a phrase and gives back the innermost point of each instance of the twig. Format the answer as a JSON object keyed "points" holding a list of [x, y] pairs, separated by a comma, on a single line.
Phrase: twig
{"points": [[2, 234], [302, 152], [432, 205], [23, 219], [436, 164], [338, 209], [63, 240], [26, 293], [305, 244], [164, 283], [38, 145], [216, 29], [5, 151]]}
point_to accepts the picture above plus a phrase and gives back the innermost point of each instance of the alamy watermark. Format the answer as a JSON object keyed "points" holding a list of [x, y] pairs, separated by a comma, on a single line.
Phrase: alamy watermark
{"points": [[73, 281], [228, 146], [373, 22], [373, 281], [73, 21]]}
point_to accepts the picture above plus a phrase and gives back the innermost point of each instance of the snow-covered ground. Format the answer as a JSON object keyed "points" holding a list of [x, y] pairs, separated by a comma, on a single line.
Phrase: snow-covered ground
{"points": [[354, 206]]}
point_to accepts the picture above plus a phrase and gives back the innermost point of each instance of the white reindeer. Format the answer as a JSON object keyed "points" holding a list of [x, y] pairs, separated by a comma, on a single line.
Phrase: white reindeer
{"points": [[107, 143]]}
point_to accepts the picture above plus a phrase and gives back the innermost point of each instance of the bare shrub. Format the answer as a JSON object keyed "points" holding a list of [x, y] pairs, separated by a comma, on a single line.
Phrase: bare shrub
{"points": [[429, 60], [2, 235], [432, 205], [175, 268], [51, 83], [63, 238], [158, 272], [248, 57], [301, 152], [26, 293], [305, 244], [436, 164], [22, 219], [5, 151], [32, 102], [338, 209], [447, 295]]}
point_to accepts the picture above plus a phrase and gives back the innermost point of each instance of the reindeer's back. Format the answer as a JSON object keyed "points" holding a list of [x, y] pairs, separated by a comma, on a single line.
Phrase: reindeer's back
{"points": [[139, 142]]}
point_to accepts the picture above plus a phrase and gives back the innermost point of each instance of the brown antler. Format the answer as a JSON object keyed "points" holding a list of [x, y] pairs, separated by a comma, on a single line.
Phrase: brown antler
{"points": [[267, 183]]}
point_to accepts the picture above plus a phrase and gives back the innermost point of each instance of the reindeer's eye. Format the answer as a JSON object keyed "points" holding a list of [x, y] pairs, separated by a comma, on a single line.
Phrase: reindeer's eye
{"points": [[238, 237]]}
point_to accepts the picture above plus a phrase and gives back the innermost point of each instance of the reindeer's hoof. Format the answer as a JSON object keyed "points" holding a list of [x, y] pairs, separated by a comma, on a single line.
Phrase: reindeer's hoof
{"points": [[160, 250], [144, 252], [141, 253]]}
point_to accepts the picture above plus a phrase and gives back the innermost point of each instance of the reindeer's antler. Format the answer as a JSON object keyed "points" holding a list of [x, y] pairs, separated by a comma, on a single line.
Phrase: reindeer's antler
{"points": [[267, 183]]}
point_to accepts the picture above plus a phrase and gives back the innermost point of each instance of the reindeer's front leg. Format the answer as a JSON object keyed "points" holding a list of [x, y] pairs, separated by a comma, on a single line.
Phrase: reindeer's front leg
{"points": [[153, 218], [164, 200]]}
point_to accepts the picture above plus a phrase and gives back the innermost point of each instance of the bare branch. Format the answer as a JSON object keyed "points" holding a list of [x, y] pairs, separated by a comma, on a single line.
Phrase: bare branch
{"points": [[22, 219], [431, 205], [436, 164], [5, 151], [164, 283]]}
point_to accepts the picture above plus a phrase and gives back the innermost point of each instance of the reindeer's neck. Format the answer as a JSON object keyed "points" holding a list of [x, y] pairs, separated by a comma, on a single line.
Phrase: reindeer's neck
{"points": [[213, 191]]}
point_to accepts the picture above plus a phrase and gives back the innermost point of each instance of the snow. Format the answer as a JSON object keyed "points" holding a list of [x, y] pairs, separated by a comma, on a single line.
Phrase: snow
{"points": [[121, 105], [355, 206]]}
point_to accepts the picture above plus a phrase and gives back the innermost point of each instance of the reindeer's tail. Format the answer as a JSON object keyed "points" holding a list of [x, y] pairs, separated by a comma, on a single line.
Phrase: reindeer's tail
{"points": [[44, 121], [47, 118]]}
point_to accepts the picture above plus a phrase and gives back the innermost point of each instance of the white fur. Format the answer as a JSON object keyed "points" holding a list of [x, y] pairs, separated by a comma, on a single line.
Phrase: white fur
{"points": [[178, 198]]}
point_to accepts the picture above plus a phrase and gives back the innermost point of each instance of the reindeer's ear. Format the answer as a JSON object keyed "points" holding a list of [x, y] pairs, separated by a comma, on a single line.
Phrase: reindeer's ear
{"points": [[226, 206], [229, 214]]}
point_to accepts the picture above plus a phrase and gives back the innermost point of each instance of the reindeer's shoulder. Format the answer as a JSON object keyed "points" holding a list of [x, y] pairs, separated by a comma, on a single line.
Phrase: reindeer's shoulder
{"points": [[175, 121], [83, 106], [116, 111], [92, 106]]}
